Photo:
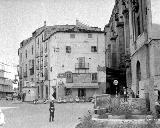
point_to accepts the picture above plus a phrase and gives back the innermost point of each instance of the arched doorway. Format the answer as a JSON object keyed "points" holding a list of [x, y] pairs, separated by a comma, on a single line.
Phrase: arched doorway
{"points": [[138, 77]]}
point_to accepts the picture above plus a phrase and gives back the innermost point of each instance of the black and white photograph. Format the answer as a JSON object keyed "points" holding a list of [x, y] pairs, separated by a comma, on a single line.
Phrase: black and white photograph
{"points": [[79, 63]]}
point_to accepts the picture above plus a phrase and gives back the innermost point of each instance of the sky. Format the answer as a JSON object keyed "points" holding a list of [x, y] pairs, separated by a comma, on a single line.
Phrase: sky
{"points": [[19, 18]]}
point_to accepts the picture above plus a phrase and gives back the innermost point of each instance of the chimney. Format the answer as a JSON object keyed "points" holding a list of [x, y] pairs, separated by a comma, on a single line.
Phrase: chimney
{"points": [[44, 23]]}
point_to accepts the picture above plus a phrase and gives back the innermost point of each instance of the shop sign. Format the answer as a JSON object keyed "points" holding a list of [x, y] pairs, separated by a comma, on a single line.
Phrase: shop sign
{"points": [[61, 75]]}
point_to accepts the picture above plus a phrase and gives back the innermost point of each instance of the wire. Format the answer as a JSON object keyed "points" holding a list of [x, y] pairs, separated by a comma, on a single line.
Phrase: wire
{"points": [[8, 64]]}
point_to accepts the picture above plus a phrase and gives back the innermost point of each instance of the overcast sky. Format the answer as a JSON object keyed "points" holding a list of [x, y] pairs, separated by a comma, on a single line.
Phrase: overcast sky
{"points": [[19, 18]]}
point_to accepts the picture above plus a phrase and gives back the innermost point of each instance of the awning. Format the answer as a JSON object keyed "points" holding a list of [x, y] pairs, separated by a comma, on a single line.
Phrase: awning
{"points": [[81, 85]]}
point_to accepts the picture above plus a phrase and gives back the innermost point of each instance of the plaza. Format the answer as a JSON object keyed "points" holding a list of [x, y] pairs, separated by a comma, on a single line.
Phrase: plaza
{"points": [[28, 115]]}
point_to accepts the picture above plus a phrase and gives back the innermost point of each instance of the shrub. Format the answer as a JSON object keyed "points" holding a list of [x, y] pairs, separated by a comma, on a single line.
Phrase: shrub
{"points": [[87, 122]]}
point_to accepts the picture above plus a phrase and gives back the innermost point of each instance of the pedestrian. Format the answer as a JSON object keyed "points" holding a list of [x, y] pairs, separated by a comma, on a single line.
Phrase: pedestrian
{"points": [[2, 121], [51, 110], [125, 94], [157, 108]]}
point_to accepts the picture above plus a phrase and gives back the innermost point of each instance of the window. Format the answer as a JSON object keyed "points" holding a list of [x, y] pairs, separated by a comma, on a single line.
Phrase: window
{"points": [[32, 49], [89, 35], [81, 59], [46, 47], [20, 56], [94, 77], [26, 54], [72, 35], [69, 77], [38, 42], [68, 49], [138, 26], [93, 49]]}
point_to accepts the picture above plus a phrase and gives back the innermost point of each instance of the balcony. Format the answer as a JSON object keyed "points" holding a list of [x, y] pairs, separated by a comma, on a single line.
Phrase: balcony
{"points": [[20, 75], [25, 74], [37, 67], [82, 66], [41, 66], [45, 63], [37, 55], [32, 71], [46, 76]]}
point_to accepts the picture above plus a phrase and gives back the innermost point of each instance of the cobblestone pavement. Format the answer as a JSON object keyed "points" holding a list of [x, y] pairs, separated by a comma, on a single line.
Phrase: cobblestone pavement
{"points": [[27, 115]]}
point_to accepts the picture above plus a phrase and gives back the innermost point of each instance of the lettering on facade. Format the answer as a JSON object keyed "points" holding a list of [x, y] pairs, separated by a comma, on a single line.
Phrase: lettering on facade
{"points": [[61, 75], [82, 78]]}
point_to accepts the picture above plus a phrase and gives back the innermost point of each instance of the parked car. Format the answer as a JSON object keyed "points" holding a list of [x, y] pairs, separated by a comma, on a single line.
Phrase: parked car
{"points": [[9, 97], [90, 99]]}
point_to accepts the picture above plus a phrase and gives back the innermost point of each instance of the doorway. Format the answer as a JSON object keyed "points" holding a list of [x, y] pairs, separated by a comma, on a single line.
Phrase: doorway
{"points": [[138, 76], [81, 92], [46, 92]]}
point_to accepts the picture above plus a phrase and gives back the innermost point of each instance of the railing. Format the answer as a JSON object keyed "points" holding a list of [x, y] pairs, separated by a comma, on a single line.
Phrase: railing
{"points": [[37, 55], [45, 63], [46, 76], [82, 66], [25, 74], [32, 71], [20, 76], [37, 67]]}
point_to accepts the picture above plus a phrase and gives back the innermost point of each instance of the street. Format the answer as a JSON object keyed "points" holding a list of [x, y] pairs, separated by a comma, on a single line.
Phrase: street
{"points": [[28, 115]]}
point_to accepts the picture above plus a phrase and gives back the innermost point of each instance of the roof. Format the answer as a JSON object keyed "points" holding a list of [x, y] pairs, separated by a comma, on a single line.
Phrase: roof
{"points": [[50, 30], [70, 28]]}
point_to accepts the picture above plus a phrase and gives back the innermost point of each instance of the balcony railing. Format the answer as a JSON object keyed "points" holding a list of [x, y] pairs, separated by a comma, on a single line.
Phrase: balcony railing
{"points": [[45, 63], [25, 74], [32, 71], [37, 54], [82, 66], [37, 67], [20, 75]]}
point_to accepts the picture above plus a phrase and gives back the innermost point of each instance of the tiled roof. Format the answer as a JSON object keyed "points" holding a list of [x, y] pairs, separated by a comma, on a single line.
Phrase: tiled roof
{"points": [[50, 30]]}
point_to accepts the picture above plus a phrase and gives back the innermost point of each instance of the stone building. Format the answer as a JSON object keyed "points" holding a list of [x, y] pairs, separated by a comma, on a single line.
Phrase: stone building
{"points": [[64, 61], [117, 47], [145, 51], [141, 45], [76, 51], [6, 86]]}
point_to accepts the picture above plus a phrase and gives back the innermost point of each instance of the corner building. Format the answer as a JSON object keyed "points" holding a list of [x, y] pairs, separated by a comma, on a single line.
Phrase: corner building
{"points": [[66, 58]]}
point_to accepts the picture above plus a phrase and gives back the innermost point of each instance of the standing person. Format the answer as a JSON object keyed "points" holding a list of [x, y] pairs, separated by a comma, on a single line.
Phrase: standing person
{"points": [[51, 110], [125, 94]]}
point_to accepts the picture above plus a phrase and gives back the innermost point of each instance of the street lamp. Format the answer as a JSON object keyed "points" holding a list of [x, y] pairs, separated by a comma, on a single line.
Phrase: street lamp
{"points": [[115, 82]]}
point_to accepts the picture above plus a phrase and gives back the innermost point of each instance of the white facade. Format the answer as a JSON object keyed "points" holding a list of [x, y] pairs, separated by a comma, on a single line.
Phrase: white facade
{"points": [[50, 59], [80, 46]]}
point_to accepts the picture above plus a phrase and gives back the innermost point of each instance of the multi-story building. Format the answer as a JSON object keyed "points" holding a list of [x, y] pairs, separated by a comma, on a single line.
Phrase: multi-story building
{"points": [[66, 58], [117, 48], [145, 50], [6, 86], [141, 43]]}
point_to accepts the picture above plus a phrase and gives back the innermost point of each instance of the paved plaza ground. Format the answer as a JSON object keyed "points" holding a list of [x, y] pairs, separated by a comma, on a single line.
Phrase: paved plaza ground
{"points": [[28, 115]]}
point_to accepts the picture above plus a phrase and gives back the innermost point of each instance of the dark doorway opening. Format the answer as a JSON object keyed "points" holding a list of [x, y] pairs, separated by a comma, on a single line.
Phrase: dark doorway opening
{"points": [[81, 92]]}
